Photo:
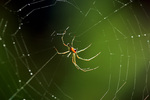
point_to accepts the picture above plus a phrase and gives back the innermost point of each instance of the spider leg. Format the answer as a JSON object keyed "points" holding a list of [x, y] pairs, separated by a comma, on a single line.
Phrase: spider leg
{"points": [[63, 41], [74, 62], [61, 52], [72, 41], [89, 58], [85, 69], [84, 48], [69, 54], [62, 38]]}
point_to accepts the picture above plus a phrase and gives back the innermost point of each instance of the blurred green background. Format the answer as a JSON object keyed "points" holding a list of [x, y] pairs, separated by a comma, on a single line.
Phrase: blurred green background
{"points": [[30, 68]]}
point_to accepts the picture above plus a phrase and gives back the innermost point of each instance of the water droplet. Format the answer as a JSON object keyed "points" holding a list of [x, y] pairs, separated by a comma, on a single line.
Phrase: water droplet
{"points": [[19, 28], [115, 11], [111, 53], [19, 81], [4, 45], [31, 73], [105, 17], [19, 9]]}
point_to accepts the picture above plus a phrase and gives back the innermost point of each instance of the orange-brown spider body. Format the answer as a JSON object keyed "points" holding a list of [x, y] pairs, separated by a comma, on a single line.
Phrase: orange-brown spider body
{"points": [[73, 50]]}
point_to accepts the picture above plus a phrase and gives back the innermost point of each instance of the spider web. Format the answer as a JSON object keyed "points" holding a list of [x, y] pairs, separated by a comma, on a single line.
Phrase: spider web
{"points": [[31, 69]]}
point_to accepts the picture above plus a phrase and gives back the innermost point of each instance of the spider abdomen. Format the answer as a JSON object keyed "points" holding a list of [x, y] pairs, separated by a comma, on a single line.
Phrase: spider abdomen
{"points": [[73, 50]]}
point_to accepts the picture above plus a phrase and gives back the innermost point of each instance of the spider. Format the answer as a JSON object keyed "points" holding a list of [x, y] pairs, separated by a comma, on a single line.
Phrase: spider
{"points": [[71, 49]]}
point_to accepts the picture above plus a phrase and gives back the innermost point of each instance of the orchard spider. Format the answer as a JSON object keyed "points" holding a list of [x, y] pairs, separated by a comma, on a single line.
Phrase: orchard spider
{"points": [[71, 49]]}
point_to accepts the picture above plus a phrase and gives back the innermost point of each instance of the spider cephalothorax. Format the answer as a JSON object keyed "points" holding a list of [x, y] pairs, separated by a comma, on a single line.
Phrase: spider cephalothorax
{"points": [[71, 49]]}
